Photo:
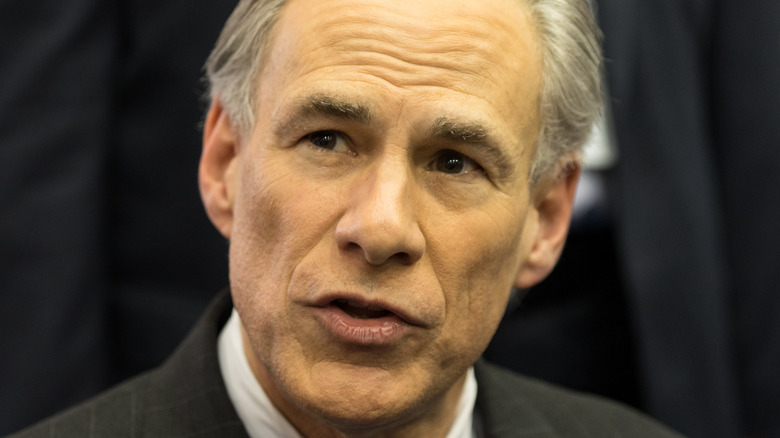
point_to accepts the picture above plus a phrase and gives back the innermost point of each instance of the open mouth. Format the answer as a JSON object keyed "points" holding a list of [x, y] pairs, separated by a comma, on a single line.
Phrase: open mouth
{"points": [[359, 311], [361, 321]]}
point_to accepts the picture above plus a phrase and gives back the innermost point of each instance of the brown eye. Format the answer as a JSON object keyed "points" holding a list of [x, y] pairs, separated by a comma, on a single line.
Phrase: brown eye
{"points": [[452, 162], [324, 139]]}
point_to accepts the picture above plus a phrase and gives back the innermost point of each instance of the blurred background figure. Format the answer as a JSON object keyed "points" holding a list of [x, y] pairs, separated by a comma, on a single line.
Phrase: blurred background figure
{"points": [[666, 296], [107, 257]]}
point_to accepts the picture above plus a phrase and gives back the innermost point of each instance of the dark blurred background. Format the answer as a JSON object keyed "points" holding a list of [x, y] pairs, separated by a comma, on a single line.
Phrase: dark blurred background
{"points": [[106, 255]]}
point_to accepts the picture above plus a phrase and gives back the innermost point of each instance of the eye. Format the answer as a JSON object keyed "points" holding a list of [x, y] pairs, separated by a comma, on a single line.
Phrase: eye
{"points": [[449, 161], [329, 140]]}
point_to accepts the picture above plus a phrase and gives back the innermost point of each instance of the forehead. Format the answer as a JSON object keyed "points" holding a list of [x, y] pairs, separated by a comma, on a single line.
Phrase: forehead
{"points": [[453, 35], [456, 55]]}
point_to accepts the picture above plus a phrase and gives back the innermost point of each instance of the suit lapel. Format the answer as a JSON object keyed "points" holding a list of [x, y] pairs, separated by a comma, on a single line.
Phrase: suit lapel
{"points": [[187, 394]]}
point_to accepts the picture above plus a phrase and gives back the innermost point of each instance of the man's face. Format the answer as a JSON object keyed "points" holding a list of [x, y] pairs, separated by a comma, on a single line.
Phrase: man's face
{"points": [[380, 211]]}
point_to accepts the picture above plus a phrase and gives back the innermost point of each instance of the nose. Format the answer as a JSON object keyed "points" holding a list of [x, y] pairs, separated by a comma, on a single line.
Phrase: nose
{"points": [[381, 221]]}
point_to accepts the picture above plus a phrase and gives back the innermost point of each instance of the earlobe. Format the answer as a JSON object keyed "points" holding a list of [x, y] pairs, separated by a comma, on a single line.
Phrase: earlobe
{"points": [[216, 172], [548, 226]]}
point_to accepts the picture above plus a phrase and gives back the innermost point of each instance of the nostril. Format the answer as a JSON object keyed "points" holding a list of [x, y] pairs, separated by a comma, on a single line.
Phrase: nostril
{"points": [[377, 254], [403, 258], [380, 258]]}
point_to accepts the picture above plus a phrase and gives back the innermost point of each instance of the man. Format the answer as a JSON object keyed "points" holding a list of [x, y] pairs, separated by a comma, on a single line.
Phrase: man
{"points": [[385, 172]]}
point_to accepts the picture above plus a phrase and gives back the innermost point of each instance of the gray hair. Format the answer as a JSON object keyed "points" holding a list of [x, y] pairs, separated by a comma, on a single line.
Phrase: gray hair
{"points": [[571, 96], [234, 65]]}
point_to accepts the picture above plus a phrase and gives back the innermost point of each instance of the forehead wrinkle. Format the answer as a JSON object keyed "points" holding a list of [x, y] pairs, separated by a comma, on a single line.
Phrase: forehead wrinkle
{"points": [[455, 44]]}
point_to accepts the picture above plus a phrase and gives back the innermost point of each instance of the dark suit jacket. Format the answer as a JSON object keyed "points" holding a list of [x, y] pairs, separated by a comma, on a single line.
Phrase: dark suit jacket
{"points": [[186, 396]]}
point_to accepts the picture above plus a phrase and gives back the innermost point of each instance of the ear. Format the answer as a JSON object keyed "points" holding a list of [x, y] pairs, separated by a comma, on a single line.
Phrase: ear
{"points": [[217, 169], [548, 224]]}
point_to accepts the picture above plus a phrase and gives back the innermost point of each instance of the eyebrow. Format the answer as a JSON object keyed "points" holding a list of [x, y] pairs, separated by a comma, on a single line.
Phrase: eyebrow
{"points": [[333, 107], [319, 105], [475, 135]]}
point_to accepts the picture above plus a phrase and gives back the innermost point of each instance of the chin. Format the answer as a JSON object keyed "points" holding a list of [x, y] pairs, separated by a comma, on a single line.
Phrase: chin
{"points": [[356, 401], [371, 413]]}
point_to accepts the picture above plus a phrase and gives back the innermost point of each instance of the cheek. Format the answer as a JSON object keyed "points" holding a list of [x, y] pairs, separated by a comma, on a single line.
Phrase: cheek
{"points": [[477, 266], [260, 246], [274, 229], [255, 237]]}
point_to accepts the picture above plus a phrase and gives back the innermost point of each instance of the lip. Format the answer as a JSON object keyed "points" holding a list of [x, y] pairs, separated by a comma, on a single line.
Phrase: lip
{"points": [[374, 331], [381, 330], [402, 314]]}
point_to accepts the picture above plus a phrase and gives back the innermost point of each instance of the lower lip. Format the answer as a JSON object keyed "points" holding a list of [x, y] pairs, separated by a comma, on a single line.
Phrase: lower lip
{"points": [[370, 331]]}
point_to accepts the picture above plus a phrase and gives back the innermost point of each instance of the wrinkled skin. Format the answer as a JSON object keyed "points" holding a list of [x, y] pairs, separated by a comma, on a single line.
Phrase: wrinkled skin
{"points": [[388, 164]]}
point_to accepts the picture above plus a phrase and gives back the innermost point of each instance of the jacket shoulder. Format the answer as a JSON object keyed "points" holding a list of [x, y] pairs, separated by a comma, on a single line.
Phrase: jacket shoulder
{"points": [[510, 405], [184, 396], [109, 414]]}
